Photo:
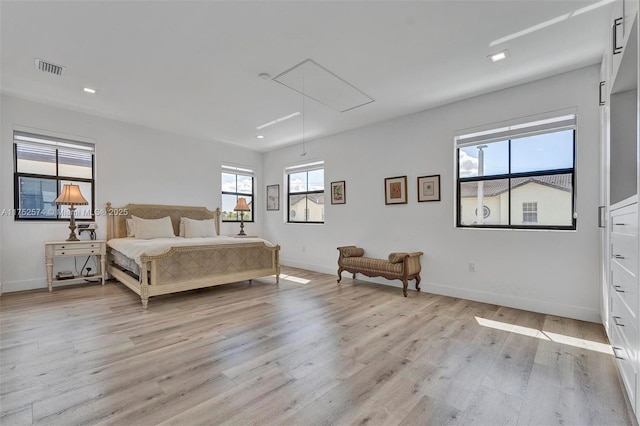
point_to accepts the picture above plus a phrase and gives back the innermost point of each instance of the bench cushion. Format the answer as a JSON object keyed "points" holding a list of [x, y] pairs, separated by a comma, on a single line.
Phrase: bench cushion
{"points": [[373, 265]]}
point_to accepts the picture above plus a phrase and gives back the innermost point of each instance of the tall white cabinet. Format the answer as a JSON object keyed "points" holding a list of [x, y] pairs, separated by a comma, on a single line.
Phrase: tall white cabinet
{"points": [[619, 195]]}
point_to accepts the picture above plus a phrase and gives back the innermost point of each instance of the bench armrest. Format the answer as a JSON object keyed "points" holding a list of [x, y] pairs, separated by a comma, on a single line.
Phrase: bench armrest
{"points": [[351, 251]]}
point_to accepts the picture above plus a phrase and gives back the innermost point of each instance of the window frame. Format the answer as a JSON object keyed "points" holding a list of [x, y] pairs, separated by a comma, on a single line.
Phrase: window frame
{"points": [[521, 130], [233, 170], [309, 167], [53, 143]]}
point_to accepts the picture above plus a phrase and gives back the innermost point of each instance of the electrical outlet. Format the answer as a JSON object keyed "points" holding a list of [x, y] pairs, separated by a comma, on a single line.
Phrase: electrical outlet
{"points": [[472, 267]]}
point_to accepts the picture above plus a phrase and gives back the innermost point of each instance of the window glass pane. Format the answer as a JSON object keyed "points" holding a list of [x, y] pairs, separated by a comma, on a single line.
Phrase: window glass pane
{"points": [[488, 159], [490, 197], [298, 182], [548, 199], [245, 184], [315, 208], [548, 151], [75, 164], [228, 204], [297, 208], [228, 182], [316, 180], [82, 212], [36, 198], [34, 159]]}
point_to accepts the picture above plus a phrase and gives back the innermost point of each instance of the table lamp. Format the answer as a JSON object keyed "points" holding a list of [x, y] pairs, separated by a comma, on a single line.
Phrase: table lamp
{"points": [[242, 207], [71, 196]]}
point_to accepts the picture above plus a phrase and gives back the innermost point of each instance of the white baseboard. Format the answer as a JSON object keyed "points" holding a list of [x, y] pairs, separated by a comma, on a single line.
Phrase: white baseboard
{"points": [[533, 305], [36, 283], [310, 267]]}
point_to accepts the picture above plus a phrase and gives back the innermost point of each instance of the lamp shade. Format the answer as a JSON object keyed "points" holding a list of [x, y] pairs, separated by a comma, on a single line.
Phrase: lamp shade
{"points": [[242, 206], [71, 195]]}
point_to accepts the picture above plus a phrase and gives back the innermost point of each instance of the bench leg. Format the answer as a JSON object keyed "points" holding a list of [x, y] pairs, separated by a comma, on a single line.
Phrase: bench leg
{"points": [[405, 285], [418, 279], [340, 274]]}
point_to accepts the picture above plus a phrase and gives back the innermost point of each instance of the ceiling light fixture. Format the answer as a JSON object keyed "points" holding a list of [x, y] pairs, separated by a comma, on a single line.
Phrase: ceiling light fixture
{"points": [[90, 90], [277, 120], [499, 56], [259, 137]]}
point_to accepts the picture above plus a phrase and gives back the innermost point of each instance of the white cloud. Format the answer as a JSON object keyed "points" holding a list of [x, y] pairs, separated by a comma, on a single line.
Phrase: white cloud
{"points": [[468, 164]]}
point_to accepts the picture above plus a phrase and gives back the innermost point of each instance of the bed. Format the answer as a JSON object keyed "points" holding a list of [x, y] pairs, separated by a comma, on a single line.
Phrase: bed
{"points": [[178, 264]]}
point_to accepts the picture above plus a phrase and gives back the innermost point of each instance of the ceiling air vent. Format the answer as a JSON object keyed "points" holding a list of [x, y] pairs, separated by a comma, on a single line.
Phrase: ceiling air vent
{"points": [[49, 67]]}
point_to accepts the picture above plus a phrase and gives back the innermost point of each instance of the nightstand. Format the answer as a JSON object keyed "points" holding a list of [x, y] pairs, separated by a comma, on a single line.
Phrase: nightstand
{"points": [[54, 249]]}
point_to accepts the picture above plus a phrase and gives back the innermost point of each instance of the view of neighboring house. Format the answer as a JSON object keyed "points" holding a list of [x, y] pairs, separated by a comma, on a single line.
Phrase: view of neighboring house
{"points": [[306, 208], [539, 200]]}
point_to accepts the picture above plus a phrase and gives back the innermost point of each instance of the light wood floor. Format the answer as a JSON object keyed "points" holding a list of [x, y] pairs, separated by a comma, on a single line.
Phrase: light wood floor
{"points": [[305, 354]]}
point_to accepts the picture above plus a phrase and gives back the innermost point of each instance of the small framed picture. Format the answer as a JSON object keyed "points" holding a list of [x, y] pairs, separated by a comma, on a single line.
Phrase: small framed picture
{"points": [[338, 192], [395, 190], [273, 197], [429, 188]]}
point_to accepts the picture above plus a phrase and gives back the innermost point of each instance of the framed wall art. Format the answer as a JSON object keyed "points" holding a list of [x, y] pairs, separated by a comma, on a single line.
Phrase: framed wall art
{"points": [[395, 190], [338, 195], [429, 188], [273, 197]]}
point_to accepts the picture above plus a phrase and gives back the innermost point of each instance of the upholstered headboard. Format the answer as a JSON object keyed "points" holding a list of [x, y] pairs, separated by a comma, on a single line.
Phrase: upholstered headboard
{"points": [[117, 216]]}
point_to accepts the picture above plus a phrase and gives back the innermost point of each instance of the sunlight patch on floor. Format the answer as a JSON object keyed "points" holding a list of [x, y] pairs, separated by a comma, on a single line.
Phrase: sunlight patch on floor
{"points": [[294, 279], [546, 335]]}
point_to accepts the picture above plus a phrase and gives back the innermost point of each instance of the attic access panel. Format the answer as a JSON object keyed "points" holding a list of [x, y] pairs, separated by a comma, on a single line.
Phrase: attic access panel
{"points": [[318, 83]]}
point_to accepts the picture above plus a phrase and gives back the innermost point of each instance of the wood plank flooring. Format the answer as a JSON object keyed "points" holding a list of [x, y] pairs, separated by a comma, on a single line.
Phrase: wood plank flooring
{"points": [[317, 353]]}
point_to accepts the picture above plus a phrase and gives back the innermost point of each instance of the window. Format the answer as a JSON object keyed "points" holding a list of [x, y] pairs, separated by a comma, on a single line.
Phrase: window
{"points": [[236, 183], [42, 165], [529, 213], [305, 190], [519, 176]]}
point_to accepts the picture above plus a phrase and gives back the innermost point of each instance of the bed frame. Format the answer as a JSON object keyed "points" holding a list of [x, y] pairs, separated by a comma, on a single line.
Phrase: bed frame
{"points": [[191, 267]]}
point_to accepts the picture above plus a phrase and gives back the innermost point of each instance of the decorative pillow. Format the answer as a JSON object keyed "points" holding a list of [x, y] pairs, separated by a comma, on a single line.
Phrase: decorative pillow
{"points": [[199, 228], [353, 252], [131, 228], [153, 228], [397, 257], [181, 231]]}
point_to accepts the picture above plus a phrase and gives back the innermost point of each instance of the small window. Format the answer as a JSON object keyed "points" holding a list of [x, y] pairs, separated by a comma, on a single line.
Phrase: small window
{"points": [[529, 213], [305, 193], [519, 176], [236, 183], [43, 165]]}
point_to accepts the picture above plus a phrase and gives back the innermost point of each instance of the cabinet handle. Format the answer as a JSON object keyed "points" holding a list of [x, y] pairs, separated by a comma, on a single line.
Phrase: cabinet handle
{"points": [[600, 97], [62, 252], [617, 288], [615, 354], [620, 224], [618, 256], [616, 23], [615, 320]]}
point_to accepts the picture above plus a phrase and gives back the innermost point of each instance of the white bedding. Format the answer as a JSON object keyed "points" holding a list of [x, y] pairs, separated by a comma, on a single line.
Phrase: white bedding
{"points": [[133, 248]]}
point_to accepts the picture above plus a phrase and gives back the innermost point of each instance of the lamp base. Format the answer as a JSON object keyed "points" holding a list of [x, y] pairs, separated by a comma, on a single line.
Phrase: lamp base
{"points": [[242, 228], [72, 224]]}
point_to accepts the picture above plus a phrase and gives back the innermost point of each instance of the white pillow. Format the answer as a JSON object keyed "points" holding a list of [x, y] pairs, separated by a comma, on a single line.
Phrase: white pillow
{"points": [[131, 228], [153, 228], [199, 228], [181, 227]]}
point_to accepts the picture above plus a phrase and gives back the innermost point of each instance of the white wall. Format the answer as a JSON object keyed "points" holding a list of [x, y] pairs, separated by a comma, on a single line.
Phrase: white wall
{"points": [[134, 164], [546, 271]]}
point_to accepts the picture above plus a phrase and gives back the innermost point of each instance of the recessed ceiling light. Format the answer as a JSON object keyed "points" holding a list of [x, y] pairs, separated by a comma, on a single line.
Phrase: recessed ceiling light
{"points": [[90, 90], [259, 137], [499, 56]]}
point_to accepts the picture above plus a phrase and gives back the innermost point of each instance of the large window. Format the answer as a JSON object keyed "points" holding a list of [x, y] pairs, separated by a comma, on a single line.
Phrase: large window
{"points": [[237, 183], [42, 166], [305, 193], [519, 176]]}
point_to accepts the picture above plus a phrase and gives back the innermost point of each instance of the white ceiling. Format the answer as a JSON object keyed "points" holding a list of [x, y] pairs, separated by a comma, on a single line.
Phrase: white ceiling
{"points": [[192, 67]]}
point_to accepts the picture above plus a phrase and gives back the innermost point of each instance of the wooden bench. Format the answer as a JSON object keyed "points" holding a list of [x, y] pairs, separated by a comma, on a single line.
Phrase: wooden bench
{"points": [[399, 266]]}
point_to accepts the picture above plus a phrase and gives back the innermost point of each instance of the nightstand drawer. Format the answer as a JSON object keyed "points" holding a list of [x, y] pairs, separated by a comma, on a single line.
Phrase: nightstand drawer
{"points": [[75, 251], [77, 246], [625, 220]]}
